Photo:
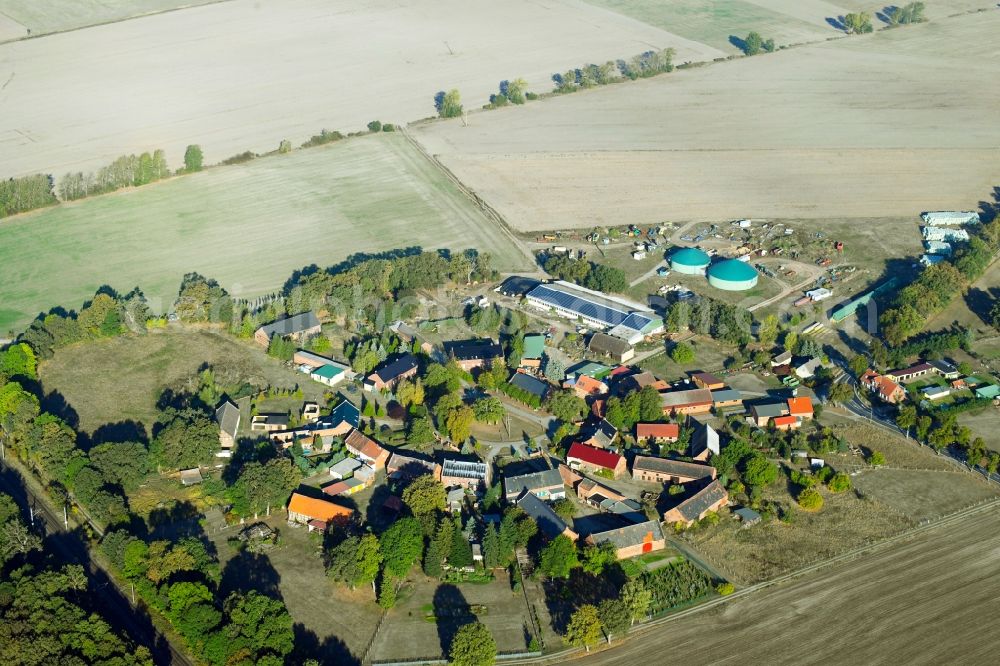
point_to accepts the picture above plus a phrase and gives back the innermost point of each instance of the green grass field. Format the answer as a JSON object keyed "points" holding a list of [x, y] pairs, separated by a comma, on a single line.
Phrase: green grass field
{"points": [[42, 16], [247, 226], [712, 22], [120, 379]]}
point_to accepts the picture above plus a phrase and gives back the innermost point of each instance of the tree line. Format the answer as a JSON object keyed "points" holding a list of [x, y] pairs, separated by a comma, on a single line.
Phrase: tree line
{"points": [[598, 277]]}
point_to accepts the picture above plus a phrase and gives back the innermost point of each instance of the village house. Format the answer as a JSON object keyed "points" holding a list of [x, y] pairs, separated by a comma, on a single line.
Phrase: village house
{"points": [[318, 514], [589, 458], [946, 369], [546, 484], [618, 350], [631, 540], [549, 524], [269, 422], [911, 373], [472, 354], [690, 401], [787, 422], [533, 351], [664, 470], [782, 359], [311, 412], [640, 380], [704, 443], [935, 392], [658, 433], [298, 327], [345, 468], [307, 362], [885, 388], [366, 449], [344, 418], [532, 385], [404, 466], [328, 374], [585, 386], [710, 498], [762, 413], [601, 436], [228, 418], [727, 399], [409, 335], [707, 380], [391, 373], [471, 474], [808, 368], [602, 497], [345, 487], [800, 407]]}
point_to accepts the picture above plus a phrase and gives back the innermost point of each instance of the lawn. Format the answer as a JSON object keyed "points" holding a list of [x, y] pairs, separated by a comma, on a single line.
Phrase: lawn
{"points": [[120, 379], [247, 226]]}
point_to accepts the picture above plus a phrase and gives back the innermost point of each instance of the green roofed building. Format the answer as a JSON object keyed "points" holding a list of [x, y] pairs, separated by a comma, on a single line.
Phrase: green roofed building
{"points": [[690, 261], [732, 275], [988, 392], [328, 374], [534, 346]]}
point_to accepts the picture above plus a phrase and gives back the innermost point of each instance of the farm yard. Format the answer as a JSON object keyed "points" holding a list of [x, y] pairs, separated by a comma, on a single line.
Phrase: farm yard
{"points": [[918, 600], [341, 65], [876, 126], [247, 226]]}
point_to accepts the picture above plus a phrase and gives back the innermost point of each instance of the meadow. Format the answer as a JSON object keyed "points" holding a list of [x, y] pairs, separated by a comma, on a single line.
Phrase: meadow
{"points": [[41, 17], [869, 127], [248, 226]]}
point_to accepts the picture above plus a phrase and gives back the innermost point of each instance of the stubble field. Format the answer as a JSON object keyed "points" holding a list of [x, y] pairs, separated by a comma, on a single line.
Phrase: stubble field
{"points": [[45, 16], [246, 74], [920, 601], [247, 226], [883, 125]]}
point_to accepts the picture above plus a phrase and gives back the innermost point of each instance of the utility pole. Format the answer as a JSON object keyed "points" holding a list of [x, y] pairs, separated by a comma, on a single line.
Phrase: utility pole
{"points": [[65, 518]]}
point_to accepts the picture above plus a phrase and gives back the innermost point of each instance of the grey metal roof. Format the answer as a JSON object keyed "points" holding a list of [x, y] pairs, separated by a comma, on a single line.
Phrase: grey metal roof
{"points": [[629, 535], [473, 350], [580, 303], [747, 515], [672, 467], [705, 437], [695, 505], [550, 524], [726, 395], [396, 367], [770, 409], [228, 417], [291, 325], [532, 481], [686, 397], [530, 384]]}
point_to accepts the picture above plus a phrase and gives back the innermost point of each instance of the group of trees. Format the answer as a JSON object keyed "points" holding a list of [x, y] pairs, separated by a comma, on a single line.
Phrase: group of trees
{"points": [[644, 65], [512, 91], [939, 429], [643, 405], [937, 285], [857, 23], [126, 171], [586, 273], [448, 104], [181, 580], [754, 44], [18, 195], [705, 316], [912, 12]]}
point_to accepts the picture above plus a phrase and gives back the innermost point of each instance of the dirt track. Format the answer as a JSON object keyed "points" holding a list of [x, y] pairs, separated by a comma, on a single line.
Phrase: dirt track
{"points": [[924, 601], [881, 125]]}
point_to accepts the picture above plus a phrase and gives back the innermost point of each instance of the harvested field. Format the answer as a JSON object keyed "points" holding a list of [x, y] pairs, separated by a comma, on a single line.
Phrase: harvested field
{"points": [[898, 119], [923, 495], [247, 226], [120, 379], [714, 23], [45, 16], [11, 29], [919, 601], [245, 74], [768, 550], [900, 453]]}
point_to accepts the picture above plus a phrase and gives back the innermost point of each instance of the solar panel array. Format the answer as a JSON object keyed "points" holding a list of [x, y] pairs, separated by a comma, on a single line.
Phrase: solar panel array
{"points": [[578, 304]]}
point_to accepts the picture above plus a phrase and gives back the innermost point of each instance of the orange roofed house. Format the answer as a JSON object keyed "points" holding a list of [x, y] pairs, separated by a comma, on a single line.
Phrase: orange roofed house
{"points": [[367, 449], [316, 513], [801, 408], [586, 386], [787, 422], [657, 432], [886, 389]]}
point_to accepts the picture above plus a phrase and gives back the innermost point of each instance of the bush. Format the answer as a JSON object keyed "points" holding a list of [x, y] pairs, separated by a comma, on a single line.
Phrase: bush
{"points": [[239, 158], [285, 147], [530, 96], [193, 158], [810, 499], [725, 589], [323, 137], [876, 459], [839, 483], [388, 127], [375, 126]]}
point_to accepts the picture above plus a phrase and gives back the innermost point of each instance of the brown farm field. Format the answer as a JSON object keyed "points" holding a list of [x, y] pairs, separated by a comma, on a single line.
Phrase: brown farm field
{"points": [[871, 127], [245, 74], [917, 601], [120, 379]]}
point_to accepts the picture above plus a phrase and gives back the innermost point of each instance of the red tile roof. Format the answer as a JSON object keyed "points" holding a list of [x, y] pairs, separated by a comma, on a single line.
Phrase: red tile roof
{"points": [[669, 430], [784, 420], [364, 445], [593, 456], [800, 406]]}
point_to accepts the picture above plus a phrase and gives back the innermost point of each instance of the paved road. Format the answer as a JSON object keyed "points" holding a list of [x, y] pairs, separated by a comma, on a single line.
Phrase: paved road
{"points": [[72, 549]]}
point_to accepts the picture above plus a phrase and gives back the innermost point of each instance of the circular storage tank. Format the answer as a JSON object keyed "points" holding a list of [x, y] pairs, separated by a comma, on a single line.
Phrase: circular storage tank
{"points": [[690, 261], [732, 275]]}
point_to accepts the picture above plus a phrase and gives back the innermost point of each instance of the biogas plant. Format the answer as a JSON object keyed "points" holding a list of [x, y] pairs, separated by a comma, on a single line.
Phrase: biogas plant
{"points": [[728, 274]]}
